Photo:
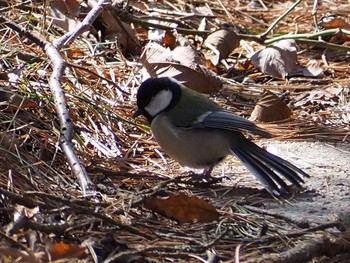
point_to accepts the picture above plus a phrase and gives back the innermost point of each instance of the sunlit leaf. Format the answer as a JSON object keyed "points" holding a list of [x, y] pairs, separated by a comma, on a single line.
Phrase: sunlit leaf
{"points": [[270, 108], [183, 208]]}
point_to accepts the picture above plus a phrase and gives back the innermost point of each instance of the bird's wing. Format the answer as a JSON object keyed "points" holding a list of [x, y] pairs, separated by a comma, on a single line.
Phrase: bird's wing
{"points": [[228, 121]]}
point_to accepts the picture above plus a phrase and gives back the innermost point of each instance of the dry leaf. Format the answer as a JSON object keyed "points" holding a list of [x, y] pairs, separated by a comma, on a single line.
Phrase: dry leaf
{"points": [[183, 208], [187, 56], [153, 52], [220, 43], [270, 108], [119, 31], [12, 102], [65, 13], [183, 64], [169, 40], [324, 96], [203, 80], [312, 69], [334, 21], [74, 52], [62, 250], [278, 60]]}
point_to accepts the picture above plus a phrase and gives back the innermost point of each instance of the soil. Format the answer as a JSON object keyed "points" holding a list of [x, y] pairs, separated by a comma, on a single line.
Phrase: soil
{"points": [[327, 191], [326, 194]]}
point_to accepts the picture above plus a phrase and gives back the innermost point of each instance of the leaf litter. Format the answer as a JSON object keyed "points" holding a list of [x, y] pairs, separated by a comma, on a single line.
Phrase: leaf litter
{"points": [[42, 210]]}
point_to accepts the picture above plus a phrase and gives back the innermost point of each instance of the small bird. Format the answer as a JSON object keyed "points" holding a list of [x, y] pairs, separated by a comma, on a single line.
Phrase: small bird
{"points": [[198, 133]]}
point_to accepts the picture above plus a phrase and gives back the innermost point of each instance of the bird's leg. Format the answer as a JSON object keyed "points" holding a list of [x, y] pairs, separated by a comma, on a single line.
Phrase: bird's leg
{"points": [[205, 176], [207, 172]]}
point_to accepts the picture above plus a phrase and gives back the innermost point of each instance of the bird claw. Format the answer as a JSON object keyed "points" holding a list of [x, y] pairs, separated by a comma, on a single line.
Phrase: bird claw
{"points": [[204, 178]]}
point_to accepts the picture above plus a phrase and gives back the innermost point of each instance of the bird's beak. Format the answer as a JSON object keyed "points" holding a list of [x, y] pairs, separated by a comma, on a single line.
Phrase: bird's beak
{"points": [[137, 113]]}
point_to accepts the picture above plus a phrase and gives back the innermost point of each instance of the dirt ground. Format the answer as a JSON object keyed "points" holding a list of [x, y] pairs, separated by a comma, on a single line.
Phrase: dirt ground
{"points": [[327, 190], [326, 193]]}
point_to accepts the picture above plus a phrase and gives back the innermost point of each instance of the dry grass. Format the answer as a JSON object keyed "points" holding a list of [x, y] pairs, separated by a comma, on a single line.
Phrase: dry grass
{"points": [[123, 161]]}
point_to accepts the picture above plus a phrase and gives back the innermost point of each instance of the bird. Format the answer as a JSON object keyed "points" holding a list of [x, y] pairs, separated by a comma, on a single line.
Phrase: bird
{"points": [[198, 133]]}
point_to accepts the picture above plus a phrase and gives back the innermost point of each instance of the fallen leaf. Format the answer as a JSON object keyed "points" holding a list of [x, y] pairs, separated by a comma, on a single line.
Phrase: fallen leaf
{"points": [[186, 56], [203, 80], [62, 250], [333, 21], [270, 108], [183, 208], [153, 52], [169, 40], [324, 96], [312, 69], [183, 64], [12, 102], [75, 52], [220, 44], [278, 60], [119, 31], [65, 14]]}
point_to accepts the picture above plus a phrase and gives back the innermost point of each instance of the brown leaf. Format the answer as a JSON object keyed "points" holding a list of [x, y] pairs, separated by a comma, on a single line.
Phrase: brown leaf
{"points": [[65, 13], [75, 52], [12, 102], [153, 52], [183, 64], [118, 30], [312, 69], [220, 44], [62, 250], [322, 96], [183, 208], [278, 60], [333, 21], [186, 56], [270, 108], [203, 81], [169, 40]]}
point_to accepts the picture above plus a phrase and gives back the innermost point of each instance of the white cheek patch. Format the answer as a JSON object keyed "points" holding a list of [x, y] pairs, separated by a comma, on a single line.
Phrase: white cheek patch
{"points": [[159, 102]]}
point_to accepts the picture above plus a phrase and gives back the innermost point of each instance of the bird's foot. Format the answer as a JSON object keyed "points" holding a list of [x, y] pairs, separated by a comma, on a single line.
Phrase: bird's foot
{"points": [[203, 179]]}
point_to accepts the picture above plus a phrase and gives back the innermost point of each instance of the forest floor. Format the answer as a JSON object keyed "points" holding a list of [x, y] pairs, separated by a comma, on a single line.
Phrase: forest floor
{"points": [[140, 205]]}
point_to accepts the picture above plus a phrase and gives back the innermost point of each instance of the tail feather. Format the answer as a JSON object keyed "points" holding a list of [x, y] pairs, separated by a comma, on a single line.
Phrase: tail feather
{"points": [[283, 167], [268, 168], [263, 173]]}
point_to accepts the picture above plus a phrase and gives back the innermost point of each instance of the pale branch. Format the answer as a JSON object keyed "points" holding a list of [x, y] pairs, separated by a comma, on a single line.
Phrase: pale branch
{"points": [[66, 127], [85, 25], [314, 14]]}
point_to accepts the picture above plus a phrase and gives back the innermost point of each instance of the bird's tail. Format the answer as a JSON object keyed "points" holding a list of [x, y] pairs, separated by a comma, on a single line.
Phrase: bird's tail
{"points": [[268, 168]]}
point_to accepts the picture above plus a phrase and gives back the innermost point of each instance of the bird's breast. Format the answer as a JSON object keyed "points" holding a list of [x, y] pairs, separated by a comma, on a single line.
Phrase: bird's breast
{"points": [[196, 148]]}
